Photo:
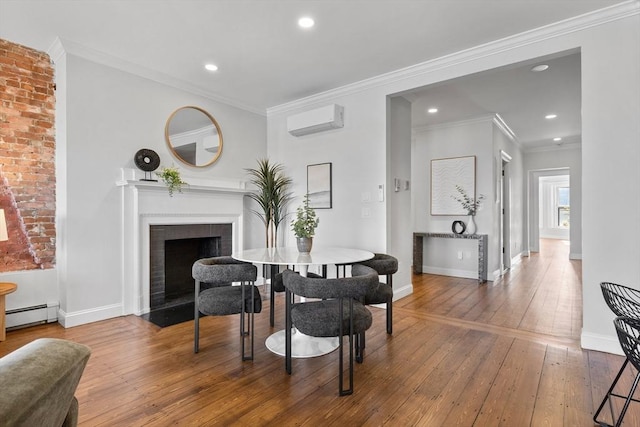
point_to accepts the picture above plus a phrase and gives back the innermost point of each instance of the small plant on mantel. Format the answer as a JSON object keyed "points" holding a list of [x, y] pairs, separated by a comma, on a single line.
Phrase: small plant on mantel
{"points": [[171, 177]]}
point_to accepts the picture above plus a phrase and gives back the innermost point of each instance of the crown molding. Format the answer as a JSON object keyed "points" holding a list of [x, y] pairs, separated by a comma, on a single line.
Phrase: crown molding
{"points": [[77, 49], [553, 147], [567, 26], [500, 123], [56, 51], [485, 118]]}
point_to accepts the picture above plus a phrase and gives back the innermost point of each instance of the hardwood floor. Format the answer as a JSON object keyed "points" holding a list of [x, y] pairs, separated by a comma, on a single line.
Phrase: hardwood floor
{"points": [[504, 353]]}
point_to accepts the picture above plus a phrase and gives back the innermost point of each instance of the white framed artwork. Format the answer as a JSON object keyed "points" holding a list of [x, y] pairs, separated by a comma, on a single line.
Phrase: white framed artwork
{"points": [[446, 174]]}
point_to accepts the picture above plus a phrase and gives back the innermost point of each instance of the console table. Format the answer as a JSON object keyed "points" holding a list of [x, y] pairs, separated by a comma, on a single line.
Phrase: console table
{"points": [[418, 249]]}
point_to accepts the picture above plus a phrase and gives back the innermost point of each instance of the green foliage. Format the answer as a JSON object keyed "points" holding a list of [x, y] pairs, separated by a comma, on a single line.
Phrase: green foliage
{"points": [[469, 204], [272, 196], [171, 177], [306, 221]]}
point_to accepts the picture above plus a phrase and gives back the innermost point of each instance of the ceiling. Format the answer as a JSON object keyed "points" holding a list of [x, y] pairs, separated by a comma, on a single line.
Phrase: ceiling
{"points": [[522, 98], [266, 60]]}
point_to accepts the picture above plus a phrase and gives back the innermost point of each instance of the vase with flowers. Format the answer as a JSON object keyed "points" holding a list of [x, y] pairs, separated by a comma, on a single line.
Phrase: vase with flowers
{"points": [[471, 205]]}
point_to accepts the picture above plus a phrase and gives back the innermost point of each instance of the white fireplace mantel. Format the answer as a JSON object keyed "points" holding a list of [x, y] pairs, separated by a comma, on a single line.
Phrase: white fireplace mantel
{"points": [[146, 203]]}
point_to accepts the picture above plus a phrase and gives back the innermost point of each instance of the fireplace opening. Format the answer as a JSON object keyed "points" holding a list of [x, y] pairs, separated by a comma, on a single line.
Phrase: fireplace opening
{"points": [[179, 256], [173, 250]]}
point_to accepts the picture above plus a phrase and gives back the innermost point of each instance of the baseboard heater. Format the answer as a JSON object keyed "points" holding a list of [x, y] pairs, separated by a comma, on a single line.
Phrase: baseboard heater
{"points": [[33, 315]]}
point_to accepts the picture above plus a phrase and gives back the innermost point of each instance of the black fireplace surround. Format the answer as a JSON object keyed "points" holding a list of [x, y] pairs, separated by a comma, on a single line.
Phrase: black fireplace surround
{"points": [[173, 250]]}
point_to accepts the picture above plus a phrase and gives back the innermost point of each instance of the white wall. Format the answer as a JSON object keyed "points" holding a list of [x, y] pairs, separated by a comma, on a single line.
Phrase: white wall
{"points": [[399, 230], [610, 51], [110, 115], [358, 155], [458, 139], [610, 156], [516, 199]]}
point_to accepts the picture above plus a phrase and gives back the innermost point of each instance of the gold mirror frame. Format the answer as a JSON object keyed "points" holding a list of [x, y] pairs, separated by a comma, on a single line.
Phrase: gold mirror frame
{"points": [[187, 123]]}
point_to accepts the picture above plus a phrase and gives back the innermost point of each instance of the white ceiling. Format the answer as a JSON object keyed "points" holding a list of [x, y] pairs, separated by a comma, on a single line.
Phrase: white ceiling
{"points": [[522, 99], [265, 60]]}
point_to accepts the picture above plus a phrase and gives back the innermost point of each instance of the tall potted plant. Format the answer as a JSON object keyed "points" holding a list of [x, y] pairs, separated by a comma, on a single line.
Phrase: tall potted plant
{"points": [[272, 197], [304, 226]]}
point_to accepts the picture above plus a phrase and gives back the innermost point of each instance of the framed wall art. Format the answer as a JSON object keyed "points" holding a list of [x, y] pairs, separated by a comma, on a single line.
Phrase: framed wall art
{"points": [[319, 186], [446, 174]]}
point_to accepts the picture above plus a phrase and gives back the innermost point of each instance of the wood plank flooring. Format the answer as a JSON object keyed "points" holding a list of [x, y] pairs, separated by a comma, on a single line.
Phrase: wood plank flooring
{"points": [[505, 353]]}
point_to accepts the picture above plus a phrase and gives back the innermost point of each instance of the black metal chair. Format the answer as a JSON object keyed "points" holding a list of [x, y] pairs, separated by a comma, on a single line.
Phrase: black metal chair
{"points": [[628, 330], [624, 302], [384, 265], [339, 313], [223, 298]]}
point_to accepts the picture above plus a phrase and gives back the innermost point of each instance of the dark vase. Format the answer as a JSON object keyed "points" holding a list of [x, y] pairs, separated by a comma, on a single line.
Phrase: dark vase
{"points": [[304, 244]]}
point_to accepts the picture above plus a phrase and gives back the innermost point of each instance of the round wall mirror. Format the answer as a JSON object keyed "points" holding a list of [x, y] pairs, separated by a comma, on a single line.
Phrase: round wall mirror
{"points": [[193, 136]]}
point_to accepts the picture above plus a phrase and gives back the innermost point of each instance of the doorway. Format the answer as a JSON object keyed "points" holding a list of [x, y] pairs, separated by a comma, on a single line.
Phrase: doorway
{"points": [[505, 214], [548, 205]]}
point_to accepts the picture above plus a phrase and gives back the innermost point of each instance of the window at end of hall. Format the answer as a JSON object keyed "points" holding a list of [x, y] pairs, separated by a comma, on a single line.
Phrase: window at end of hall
{"points": [[563, 206]]}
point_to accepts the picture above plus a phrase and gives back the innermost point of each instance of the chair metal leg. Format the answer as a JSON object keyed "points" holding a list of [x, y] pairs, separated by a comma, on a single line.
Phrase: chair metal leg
{"points": [[390, 306], [247, 325], [196, 320], [341, 390], [360, 343], [628, 400], [272, 301], [607, 398], [288, 324], [389, 317]]}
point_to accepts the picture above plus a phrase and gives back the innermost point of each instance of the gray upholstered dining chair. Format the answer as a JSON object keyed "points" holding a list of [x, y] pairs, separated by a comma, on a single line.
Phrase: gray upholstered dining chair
{"points": [[338, 313], [384, 265], [221, 297], [278, 286]]}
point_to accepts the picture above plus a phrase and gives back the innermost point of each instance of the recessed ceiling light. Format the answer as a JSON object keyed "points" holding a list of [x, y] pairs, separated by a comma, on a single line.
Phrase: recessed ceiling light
{"points": [[306, 22], [432, 110], [557, 139], [211, 67], [541, 67], [550, 116]]}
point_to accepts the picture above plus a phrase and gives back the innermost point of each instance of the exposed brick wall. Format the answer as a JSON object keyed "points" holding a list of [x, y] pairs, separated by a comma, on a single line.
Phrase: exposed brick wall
{"points": [[27, 154]]}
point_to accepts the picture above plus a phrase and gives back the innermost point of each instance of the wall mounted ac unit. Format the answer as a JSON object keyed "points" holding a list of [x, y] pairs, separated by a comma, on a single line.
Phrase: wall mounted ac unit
{"points": [[318, 120]]}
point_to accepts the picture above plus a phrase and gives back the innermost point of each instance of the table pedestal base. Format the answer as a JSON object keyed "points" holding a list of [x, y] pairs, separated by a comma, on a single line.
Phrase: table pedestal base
{"points": [[302, 346]]}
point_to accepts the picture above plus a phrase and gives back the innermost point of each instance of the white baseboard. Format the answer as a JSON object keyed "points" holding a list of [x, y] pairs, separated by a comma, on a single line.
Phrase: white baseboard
{"points": [[605, 343], [69, 320], [402, 292], [516, 260], [398, 294], [466, 274]]}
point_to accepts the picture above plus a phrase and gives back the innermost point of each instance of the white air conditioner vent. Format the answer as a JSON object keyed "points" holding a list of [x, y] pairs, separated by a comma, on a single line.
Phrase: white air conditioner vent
{"points": [[318, 120]]}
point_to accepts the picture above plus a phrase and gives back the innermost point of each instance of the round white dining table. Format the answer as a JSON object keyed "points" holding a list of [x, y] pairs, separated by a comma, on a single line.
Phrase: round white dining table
{"points": [[302, 345]]}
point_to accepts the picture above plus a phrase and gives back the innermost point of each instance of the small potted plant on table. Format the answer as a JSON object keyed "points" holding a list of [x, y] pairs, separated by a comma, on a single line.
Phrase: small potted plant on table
{"points": [[304, 226]]}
